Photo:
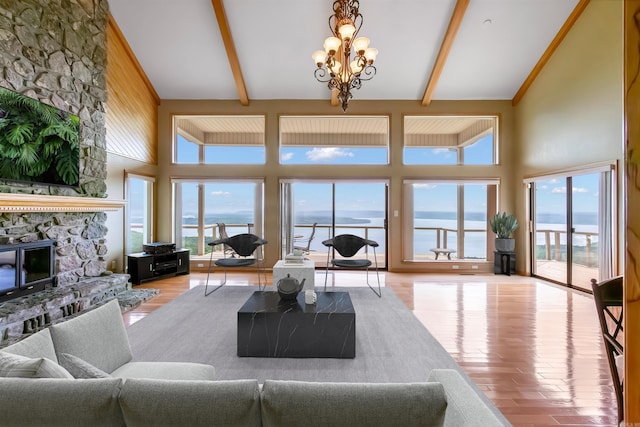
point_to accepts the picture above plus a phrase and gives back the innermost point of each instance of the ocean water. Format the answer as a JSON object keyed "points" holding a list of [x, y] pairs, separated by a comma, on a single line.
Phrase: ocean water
{"points": [[369, 224]]}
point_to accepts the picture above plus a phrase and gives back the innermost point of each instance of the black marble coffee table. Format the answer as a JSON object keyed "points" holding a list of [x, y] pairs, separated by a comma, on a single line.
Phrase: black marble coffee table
{"points": [[270, 327]]}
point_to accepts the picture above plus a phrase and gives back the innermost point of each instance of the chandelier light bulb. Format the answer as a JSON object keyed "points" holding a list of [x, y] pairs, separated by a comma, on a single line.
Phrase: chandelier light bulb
{"points": [[360, 45], [356, 67], [319, 57], [336, 67], [371, 54], [346, 31], [331, 45]]}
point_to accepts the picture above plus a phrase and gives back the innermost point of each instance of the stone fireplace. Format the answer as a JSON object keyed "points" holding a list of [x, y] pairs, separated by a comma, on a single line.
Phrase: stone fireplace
{"points": [[79, 245], [55, 51]]}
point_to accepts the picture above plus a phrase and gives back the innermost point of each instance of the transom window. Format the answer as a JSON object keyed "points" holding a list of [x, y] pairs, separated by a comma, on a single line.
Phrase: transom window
{"points": [[321, 140], [219, 139], [444, 140]]}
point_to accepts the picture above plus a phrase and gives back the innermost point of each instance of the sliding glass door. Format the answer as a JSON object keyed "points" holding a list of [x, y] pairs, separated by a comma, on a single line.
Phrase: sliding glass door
{"points": [[335, 207], [572, 233]]}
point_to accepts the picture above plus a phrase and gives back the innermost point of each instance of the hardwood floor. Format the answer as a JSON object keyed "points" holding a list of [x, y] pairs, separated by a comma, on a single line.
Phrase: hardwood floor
{"points": [[534, 348]]}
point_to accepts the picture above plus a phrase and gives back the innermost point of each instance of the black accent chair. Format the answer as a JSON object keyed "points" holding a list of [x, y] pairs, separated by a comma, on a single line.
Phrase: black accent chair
{"points": [[609, 296], [244, 245], [303, 243], [348, 245], [222, 232]]}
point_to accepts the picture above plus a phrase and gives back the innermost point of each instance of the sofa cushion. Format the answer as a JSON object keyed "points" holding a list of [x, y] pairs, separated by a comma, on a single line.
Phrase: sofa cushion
{"points": [[165, 371], [464, 405], [36, 345], [99, 337], [63, 403], [79, 368], [299, 403], [13, 365], [149, 402]]}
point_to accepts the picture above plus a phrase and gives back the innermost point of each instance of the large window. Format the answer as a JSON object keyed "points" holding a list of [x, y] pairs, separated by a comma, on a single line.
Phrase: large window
{"points": [[204, 207], [352, 140], [447, 219], [460, 140], [572, 237], [219, 139], [139, 212]]}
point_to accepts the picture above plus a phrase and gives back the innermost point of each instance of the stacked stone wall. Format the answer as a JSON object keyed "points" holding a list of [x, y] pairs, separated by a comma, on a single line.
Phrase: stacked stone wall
{"points": [[55, 51]]}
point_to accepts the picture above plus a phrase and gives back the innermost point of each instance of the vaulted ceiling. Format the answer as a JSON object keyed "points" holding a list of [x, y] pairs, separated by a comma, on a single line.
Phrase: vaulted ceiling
{"points": [[261, 49]]}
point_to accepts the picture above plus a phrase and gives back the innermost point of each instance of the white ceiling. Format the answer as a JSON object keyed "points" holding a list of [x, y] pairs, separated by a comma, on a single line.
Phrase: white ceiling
{"points": [[178, 44]]}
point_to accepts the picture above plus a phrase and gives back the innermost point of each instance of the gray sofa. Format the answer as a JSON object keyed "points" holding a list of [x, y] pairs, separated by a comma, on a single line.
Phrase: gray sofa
{"points": [[108, 389]]}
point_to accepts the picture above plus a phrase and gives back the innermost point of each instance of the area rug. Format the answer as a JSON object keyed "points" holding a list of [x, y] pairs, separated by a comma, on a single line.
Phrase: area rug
{"points": [[391, 343]]}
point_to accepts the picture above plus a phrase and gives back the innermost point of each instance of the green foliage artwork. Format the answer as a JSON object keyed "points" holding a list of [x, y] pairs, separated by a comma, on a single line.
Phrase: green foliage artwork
{"points": [[38, 143]]}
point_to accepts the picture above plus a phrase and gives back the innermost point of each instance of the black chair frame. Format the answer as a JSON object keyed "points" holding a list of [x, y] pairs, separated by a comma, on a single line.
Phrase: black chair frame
{"points": [[244, 245], [609, 296], [347, 245]]}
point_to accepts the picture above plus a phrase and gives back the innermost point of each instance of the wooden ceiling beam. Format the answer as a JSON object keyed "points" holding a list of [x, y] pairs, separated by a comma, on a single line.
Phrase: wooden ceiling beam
{"points": [[445, 49], [230, 47], [564, 30]]}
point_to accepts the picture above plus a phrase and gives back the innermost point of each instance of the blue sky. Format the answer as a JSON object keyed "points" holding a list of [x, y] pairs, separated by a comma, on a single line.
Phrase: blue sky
{"points": [[551, 195], [228, 197]]}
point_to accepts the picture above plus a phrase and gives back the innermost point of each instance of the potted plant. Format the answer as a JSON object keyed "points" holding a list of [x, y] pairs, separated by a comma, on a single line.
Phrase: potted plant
{"points": [[504, 225]]}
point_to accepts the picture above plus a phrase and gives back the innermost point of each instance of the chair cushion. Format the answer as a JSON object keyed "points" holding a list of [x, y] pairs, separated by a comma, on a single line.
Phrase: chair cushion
{"points": [[158, 403], [60, 403], [13, 365], [36, 345], [235, 262], [351, 263], [165, 371], [299, 403], [79, 368], [98, 337]]}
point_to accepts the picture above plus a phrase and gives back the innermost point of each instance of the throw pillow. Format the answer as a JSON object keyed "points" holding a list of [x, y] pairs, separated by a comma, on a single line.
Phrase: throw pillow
{"points": [[80, 368], [12, 365]]}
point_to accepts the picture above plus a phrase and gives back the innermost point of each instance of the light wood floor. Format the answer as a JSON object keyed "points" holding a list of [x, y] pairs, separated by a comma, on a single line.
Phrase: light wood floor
{"points": [[534, 348]]}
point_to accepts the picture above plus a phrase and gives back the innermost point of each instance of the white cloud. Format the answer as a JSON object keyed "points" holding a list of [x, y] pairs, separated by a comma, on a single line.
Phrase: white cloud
{"points": [[425, 186], [286, 156], [563, 190], [327, 153], [442, 150], [220, 193]]}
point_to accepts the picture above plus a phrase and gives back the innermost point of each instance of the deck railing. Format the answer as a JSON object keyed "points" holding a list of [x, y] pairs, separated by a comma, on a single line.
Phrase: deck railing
{"points": [[553, 246]]}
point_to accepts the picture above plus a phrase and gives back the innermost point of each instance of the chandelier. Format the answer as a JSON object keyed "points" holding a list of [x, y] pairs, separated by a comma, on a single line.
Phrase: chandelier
{"points": [[336, 67]]}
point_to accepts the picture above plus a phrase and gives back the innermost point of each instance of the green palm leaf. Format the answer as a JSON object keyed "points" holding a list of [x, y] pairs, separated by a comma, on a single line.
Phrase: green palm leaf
{"points": [[67, 166], [20, 134]]}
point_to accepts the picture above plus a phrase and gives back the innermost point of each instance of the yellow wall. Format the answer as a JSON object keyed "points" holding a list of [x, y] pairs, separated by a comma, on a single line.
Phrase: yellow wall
{"points": [[572, 115], [272, 171]]}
